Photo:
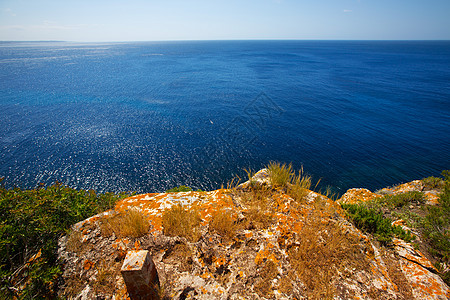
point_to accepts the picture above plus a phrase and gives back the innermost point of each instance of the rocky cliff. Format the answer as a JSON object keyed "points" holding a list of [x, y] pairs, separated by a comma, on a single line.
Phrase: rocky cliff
{"points": [[251, 242]]}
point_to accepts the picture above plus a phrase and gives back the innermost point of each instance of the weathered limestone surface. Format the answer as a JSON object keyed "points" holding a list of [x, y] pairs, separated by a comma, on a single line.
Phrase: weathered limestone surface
{"points": [[258, 262], [420, 273]]}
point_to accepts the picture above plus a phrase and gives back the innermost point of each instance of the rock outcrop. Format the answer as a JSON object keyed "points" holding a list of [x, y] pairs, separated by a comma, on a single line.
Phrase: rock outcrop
{"points": [[274, 247]]}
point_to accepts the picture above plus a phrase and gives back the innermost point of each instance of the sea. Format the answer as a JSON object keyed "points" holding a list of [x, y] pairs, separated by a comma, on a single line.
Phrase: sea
{"points": [[149, 116]]}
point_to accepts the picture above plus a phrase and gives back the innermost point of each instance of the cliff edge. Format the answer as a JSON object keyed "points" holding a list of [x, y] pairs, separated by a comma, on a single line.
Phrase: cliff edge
{"points": [[254, 241]]}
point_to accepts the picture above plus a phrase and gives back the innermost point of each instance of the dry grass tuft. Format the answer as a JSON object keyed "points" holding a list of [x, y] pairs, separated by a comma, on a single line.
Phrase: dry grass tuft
{"points": [[269, 271], [74, 286], [294, 184], [223, 223], [258, 200], [325, 253], [253, 184], [131, 223], [280, 174], [397, 276], [162, 290], [301, 183], [267, 274], [180, 255], [330, 194], [74, 242], [178, 221], [106, 277], [259, 219], [258, 195], [285, 286], [232, 184]]}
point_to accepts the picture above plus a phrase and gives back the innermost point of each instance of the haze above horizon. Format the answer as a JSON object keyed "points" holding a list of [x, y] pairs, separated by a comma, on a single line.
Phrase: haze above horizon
{"points": [[139, 20]]}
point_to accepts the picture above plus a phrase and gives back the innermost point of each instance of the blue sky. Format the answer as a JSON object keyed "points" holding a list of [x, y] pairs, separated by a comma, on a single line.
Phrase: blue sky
{"points": [[139, 20]]}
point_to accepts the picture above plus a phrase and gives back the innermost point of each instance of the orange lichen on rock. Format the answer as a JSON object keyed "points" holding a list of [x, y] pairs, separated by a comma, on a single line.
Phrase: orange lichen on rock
{"points": [[424, 284], [305, 249], [87, 265], [421, 274], [408, 252], [137, 245], [399, 222], [353, 196], [219, 261], [264, 255], [432, 197], [153, 205]]}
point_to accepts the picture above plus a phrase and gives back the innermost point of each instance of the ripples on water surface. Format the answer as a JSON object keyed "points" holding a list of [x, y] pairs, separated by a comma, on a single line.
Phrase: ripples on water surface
{"points": [[150, 116]]}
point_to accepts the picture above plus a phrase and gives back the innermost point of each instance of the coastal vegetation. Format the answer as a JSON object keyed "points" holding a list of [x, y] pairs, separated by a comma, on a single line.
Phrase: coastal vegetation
{"points": [[432, 222], [31, 222], [181, 188], [371, 220], [436, 228], [433, 182], [403, 199], [280, 174], [257, 198]]}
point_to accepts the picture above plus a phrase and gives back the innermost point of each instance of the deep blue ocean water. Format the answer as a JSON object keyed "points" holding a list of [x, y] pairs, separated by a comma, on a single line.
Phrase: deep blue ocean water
{"points": [[150, 116]]}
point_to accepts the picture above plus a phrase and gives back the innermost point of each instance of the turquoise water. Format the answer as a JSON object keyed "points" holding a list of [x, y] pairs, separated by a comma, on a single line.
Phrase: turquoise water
{"points": [[150, 116]]}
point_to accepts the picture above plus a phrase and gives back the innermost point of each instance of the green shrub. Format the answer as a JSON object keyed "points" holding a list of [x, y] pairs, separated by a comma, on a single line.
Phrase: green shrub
{"points": [[403, 199], [446, 175], [437, 225], [31, 221], [432, 182], [181, 188], [372, 221]]}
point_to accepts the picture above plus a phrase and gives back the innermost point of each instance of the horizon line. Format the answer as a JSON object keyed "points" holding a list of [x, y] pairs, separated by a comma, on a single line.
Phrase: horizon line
{"points": [[218, 40]]}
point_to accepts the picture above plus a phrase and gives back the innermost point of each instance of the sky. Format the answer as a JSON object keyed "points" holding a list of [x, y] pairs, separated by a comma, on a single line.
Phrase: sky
{"points": [[155, 20]]}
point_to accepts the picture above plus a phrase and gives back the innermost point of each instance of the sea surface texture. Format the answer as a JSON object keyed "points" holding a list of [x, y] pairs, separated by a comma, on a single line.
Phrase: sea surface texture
{"points": [[149, 116]]}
